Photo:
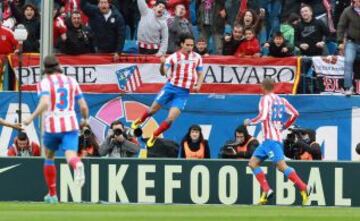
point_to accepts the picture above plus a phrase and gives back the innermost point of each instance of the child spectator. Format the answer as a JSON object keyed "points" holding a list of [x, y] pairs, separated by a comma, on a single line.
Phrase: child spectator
{"points": [[278, 47], [250, 47], [201, 47]]}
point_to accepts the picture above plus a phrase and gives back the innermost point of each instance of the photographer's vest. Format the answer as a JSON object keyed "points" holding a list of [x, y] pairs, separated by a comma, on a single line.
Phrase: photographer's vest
{"points": [[199, 154], [244, 147]]}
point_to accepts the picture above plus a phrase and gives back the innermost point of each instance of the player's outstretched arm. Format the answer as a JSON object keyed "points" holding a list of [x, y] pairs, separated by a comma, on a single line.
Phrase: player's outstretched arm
{"points": [[42, 106], [84, 110], [163, 68], [7, 124]]}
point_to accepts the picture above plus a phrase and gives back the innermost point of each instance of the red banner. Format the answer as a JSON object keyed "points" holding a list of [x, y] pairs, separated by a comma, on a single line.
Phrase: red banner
{"points": [[223, 74]]}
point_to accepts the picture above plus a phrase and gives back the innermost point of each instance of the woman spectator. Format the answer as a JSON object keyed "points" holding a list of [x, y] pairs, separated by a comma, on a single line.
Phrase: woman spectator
{"points": [[250, 19], [193, 145]]}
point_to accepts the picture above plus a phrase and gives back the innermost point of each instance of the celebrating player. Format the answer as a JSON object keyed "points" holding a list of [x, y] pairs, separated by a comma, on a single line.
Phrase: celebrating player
{"points": [[186, 71], [58, 94], [273, 111]]}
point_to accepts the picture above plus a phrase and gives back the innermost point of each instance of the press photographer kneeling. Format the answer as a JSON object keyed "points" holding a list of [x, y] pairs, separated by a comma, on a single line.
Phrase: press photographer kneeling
{"points": [[300, 144], [120, 142], [88, 144]]}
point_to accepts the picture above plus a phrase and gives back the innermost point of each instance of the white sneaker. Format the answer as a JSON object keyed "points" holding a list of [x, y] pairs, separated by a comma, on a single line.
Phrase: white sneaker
{"points": [[79, 174], [348, 92]]}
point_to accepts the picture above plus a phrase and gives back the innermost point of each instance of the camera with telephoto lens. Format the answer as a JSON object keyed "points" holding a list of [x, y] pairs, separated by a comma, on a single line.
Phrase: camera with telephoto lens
{"points": [[133, 132], [117, 132], [87, 132], [291, 143]]}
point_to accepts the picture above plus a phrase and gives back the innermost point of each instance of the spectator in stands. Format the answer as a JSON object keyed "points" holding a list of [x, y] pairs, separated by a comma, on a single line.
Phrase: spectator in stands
{"points": [[107, 25], [30, 18], [211, 18], [232, 42], [23, 147], [201, 47], [59, 27], [289, 7], [250, 46], [88, 145], [250, 19], [131, 14], [153, 31], [241, 147], [8, 44], [348, 35], [177, 25], [171, 6], [288, 28], [79, 40], [193, 145], [278, 47], [318, 9], [117, 144], [310, 34], [339, 7]]}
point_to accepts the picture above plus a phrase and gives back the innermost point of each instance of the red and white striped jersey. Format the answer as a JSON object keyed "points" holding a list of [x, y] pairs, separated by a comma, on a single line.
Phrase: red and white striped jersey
{"points": [[273, 116], [184, 68], [63, 92]]}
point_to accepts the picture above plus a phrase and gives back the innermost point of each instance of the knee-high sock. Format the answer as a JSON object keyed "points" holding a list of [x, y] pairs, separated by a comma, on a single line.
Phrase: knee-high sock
{"points": [[260, 176], [291, 174], [50, 176], [73, 161], [144, 116], [163, 127]]}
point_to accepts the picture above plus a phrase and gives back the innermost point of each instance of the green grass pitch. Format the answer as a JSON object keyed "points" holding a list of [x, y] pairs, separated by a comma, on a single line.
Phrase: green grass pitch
{"points": [[138, 212]]}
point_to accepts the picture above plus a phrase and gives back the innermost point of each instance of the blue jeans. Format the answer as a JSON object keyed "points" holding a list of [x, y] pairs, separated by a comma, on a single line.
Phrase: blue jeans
{"points": [[352, 50], [273, 11]]}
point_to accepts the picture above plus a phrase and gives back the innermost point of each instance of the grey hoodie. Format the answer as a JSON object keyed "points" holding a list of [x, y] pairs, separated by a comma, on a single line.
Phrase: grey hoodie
{"points": [[152, 29]]}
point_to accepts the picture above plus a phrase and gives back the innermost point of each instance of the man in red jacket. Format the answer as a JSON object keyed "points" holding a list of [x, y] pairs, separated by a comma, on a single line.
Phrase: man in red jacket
{"points": [[22, 146], [8, 44]]}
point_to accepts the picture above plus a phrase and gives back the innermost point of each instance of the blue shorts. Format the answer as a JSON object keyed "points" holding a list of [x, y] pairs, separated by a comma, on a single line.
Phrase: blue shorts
{"points": [[62, 141], [270, 149], [174, 96]]}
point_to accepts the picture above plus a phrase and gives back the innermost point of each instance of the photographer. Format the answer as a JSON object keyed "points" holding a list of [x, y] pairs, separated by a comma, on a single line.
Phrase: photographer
{"points": [[242, 147], [118, 143], [88, 145], [300, 144]]}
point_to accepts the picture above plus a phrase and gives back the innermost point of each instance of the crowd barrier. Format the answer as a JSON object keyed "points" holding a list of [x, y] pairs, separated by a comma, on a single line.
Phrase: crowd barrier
{"points": [[180, 182]]}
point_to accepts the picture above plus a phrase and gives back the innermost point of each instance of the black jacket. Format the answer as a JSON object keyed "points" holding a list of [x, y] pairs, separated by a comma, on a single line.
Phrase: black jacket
{"points": [[229, 47], [32, 43], [311, 33], [109, 36], [276, 51], [78, 41]]}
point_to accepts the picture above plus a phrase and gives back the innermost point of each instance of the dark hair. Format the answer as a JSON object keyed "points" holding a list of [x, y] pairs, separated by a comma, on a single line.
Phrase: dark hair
{"points": [[278, 34], [201, 40], [183, 37], [51, 65], [358, 148], [238, 25], [303, 5], [268, 84], [250, 29], [116, 122], [193, 127], [75, 12], [256, 24], [22, 136], [292, 17], [160, 2]]}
